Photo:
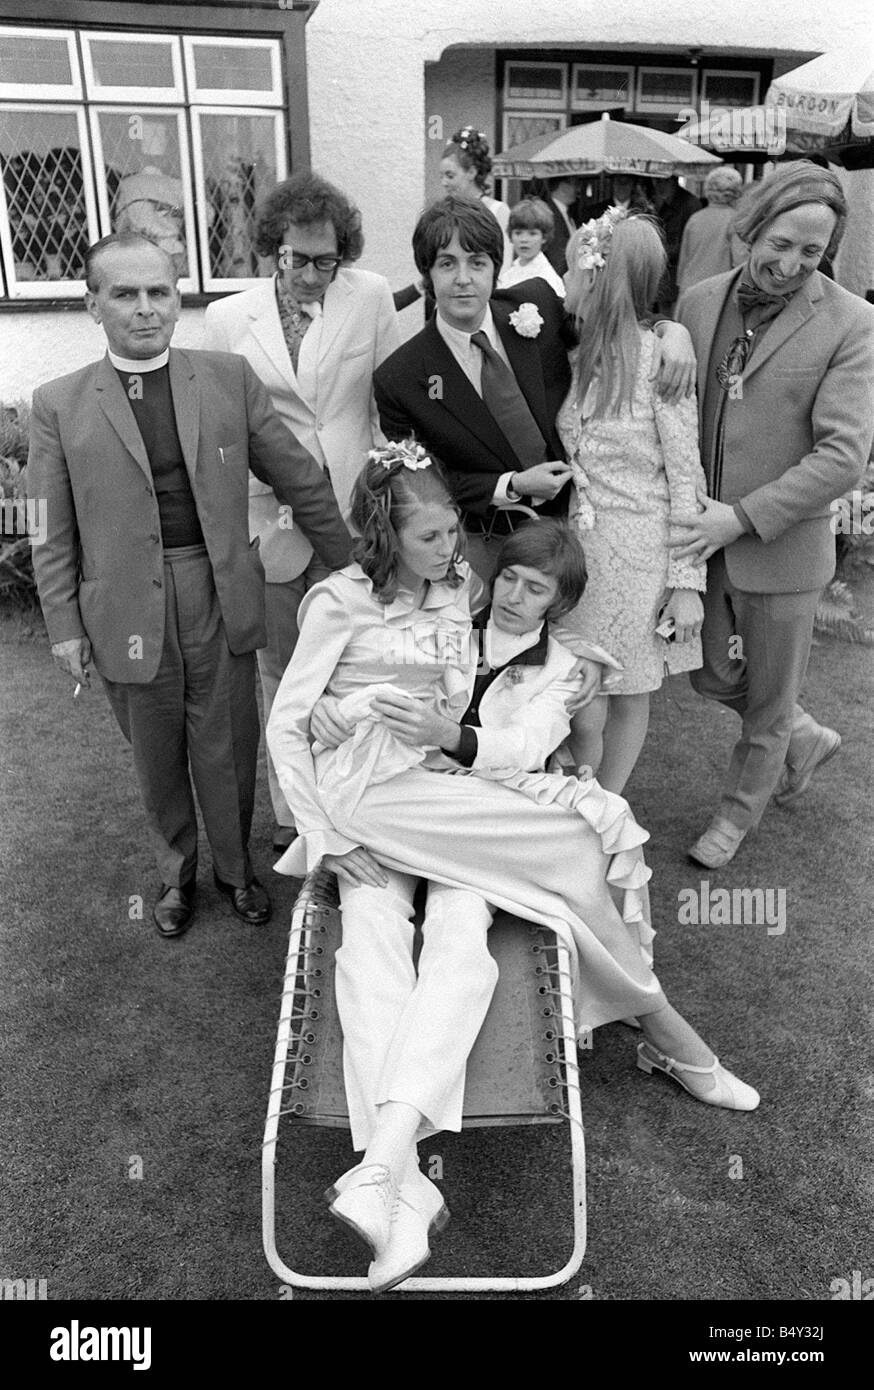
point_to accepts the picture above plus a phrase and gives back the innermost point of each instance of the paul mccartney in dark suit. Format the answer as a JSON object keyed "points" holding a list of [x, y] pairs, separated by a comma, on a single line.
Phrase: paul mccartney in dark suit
{"points": [[480, 386], [482, 383]]}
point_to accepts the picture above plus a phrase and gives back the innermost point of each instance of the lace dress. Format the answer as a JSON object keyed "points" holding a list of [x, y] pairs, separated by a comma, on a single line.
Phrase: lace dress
{"points": [[554, 850], [630, 472]]}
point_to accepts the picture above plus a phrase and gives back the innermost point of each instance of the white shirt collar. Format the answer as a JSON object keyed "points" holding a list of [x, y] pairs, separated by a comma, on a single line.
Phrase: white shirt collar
{"points": [[501, 647], [459, 341], [141, 364]]}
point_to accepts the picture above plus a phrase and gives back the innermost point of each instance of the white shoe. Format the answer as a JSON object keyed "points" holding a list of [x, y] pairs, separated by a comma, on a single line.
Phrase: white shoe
{"points": [[794, 781], [364, 1198], [729, 1091], [718, 845], [427, 1197], [407, 1248]]}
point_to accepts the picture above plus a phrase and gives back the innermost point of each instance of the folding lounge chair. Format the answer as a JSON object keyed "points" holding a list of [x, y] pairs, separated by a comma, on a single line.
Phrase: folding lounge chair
{"points": [[522, 1071]]}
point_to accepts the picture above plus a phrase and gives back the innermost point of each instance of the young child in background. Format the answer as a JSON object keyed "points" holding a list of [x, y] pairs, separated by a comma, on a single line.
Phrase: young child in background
{"points": [[530, 227]]}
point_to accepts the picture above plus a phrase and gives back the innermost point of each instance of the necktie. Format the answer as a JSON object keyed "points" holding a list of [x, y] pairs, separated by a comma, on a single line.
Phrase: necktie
{"points": [[508, 407]]}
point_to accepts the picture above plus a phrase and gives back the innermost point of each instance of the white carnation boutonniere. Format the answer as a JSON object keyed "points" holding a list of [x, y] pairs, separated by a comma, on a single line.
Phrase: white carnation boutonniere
{"points": [[527, 320], [514, 675]]}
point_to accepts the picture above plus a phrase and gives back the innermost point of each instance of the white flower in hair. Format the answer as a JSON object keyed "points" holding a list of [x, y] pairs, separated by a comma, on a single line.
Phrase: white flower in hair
{"points": [[407, 452], [595, 236], [527, 320]]}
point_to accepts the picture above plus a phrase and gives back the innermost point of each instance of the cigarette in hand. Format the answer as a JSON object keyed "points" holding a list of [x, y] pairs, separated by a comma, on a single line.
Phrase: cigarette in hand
{"points": [[78, 691]]}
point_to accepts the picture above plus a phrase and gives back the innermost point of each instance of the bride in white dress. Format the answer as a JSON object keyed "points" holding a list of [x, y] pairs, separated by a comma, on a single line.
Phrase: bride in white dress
{"points": [[381, 807]]}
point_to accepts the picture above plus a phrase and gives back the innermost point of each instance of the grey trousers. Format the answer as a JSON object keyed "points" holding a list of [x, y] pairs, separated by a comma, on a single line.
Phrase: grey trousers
{"points": [[200, 710], [759, 676]]}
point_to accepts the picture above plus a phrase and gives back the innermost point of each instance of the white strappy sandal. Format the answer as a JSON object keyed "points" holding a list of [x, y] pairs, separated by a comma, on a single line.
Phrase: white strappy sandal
{"points": [[729, 1091]]}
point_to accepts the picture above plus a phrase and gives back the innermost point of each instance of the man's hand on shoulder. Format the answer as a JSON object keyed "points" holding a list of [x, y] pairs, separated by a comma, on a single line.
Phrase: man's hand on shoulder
{"points": [[74, 657], [673, 363]]}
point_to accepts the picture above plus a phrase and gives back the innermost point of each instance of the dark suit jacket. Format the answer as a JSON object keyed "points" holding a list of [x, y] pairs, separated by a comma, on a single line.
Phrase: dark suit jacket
{"points": [[100, 570], [800, 431], [421, 390], [556, 246]]}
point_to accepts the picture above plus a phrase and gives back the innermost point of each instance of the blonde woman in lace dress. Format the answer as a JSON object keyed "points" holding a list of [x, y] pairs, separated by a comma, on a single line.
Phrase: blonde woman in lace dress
{"points": [[635, 461]]}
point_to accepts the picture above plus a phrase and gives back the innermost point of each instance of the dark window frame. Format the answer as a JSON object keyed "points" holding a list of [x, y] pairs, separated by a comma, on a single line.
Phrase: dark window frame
{"points": [[285, 22]]}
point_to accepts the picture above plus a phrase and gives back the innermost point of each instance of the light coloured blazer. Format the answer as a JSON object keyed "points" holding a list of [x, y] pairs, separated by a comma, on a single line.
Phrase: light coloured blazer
{"points": [[100, 570], [524, 716], [800, 432], [328, 405]]}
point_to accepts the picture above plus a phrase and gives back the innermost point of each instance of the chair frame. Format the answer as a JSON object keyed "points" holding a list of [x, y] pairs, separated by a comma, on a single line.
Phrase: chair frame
{"points": [[303, 924]]}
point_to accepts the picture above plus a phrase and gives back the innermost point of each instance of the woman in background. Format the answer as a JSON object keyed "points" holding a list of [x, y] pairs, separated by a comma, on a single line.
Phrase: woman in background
{"points": [[465, 168], [709, 244]]}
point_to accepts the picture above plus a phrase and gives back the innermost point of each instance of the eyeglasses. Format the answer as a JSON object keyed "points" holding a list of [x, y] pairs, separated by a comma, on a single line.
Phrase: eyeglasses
{"points": [[295, 260], [730, 369]]}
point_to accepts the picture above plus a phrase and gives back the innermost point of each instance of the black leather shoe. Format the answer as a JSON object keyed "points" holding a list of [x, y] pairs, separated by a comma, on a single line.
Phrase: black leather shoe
{"points": [[174, 909], [283, 835], [251, 903]]}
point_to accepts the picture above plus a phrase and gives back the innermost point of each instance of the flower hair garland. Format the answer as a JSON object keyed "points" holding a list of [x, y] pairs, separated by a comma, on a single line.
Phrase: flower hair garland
{"points": [[408, 453], [467, 137], [593, 247]]}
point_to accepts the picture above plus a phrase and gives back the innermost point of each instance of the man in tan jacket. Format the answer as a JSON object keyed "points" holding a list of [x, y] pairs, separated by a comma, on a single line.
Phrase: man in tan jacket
{"points": [[785, 374]]}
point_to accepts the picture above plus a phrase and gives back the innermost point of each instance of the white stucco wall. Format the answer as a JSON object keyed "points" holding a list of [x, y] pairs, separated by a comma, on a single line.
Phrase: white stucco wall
{"points": [[389, 64], [377, 69], [40, 346]]}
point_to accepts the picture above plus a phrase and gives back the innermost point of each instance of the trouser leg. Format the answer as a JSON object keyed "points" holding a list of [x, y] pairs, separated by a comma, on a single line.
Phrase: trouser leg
{"points": [[221, 716], [152, 719], [723, 673], [775, 632], [426, 1061], [374, 977], [281, 602]]}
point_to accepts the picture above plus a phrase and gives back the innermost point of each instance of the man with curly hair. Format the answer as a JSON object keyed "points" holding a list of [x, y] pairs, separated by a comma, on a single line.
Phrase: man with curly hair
{"points": [[314, 333]]}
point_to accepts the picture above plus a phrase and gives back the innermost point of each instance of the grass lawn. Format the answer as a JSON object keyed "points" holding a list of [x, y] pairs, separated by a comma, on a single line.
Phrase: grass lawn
{"points": [[135, 1071]]}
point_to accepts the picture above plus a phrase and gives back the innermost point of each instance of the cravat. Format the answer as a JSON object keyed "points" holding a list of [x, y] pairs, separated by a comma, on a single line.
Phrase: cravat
{"points": [[761, 306], [296, 320], [508, 407]]}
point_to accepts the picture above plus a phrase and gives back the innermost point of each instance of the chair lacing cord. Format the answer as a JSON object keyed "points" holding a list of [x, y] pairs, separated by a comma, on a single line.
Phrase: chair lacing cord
{"points": [[545, 991], [297, 1013], [302, 1085], [557, 1084], [296, 1109]]}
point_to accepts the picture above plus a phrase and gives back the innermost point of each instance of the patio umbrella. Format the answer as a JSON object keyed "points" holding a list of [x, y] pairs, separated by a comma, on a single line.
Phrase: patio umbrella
{"points": [[832, 95], [604, 147]]}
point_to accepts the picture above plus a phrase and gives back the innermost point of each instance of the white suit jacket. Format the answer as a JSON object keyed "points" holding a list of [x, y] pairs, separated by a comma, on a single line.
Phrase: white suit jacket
{"points": [[524, 712], [328, 404]]}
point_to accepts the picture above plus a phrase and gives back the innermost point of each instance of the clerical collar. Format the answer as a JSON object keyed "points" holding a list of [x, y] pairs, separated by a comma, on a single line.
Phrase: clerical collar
{"points": [[522, 649], [139, 364]]}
